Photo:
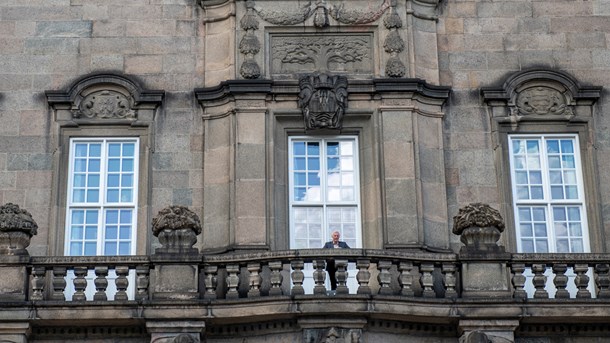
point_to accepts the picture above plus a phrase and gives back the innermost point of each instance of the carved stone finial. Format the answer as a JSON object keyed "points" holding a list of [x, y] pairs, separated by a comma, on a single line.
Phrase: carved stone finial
{"points": [[249, 44], [394, 44], [177, 228], [323, 100], [16, 229], [479, 227]]}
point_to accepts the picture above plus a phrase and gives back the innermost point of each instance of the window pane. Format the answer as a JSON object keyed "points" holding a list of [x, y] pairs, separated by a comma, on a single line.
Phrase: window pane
{"points": [[125, 232], [77, 233], [577, 245], [532, 147], [128, 149], [93, 180], [127, 165], [126, 180], [110, 248], [563, 245], [539, 214], [518, 147], [80, 165], [111, 232], [80, 150], [90, 249], [76, 249], [347, 148], [79, 180], [542, 246], [124, 248], [112, 195], [94, 165], [126, 195], [571, 192], [526, 230], [313, 163], [313, 148], [125, 217], [93, 195], [299, 163], [537, 192], [91, 217], [567, 147], [332, 148], [78, 217], [114, 150], [527, 245], [552, 146], [574, 213], [91, 232], [95, 150], [114, 165], [298, 148]]}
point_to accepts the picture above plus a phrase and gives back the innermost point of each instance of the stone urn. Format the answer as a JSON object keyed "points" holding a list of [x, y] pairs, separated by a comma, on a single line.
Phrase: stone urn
{"points": [[16, 229], [177, 228], [479, 227]]}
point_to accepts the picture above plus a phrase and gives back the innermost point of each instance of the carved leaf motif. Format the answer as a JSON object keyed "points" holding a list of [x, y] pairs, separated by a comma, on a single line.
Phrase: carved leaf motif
{"points": [[320, 51], [541, 101], [105, 104], [285, 18], [357, 17]]}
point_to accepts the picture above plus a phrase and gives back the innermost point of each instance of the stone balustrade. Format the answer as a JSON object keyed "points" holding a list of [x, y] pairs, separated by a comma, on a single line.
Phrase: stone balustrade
{"points": [[284, 273]]}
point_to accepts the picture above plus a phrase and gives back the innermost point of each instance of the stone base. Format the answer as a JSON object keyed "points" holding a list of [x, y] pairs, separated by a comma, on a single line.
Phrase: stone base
{"points": [[485, 280], [176, 281], [15, 332], [13, 283]]}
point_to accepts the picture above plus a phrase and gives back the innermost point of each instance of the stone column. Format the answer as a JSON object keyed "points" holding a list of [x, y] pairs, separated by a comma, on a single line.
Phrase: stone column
{"points": [[485, 272], [176, 331], [176, 263]]}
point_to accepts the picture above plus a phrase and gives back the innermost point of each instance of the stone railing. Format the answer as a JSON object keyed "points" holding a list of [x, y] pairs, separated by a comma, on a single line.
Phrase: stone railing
{"points": [[560, 276], [289, 273]]}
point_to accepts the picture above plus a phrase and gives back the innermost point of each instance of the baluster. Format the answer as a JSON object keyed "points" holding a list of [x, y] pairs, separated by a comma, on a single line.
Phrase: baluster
{"points": [[297, 277], [406, 279], [319, 277], [101, 283], [142, 282], [341, 275], [427, 280], [539, 281], [602, 279], [59, 283], [80, 283], [519, 281], [363, 276], [276, 278], [449, 280], [38, 281], [232, 281], [582, 280], [384, 277], [561, 280], [121, 283], [210, 282], [255, 280]]}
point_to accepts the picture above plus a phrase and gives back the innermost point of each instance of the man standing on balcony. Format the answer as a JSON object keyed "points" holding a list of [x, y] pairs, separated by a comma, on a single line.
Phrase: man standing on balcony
{"points": [[330, 264]]}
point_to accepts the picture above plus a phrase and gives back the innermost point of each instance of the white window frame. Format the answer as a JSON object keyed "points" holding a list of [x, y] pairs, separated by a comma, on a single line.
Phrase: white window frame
{"points": [[324, 203], [102, 205], [547, 202]]}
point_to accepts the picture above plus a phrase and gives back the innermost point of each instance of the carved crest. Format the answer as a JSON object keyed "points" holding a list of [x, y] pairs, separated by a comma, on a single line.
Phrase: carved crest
{"points": [[540, 101], [105, 104], [323, 100]]}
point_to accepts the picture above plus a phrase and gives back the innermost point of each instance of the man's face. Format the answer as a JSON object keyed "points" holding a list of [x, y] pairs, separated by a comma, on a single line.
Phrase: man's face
{"points": [[336, 236]]}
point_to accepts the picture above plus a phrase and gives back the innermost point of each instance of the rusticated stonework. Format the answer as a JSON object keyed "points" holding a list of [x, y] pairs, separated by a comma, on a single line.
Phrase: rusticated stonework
{"points": [[105, 104], [323, 99], [299, 53], [541, 101]]}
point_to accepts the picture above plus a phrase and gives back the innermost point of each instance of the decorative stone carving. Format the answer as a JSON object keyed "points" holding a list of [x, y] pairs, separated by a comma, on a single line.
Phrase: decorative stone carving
{"points": [[177, 228], [394, 44], [479, 227], [321, 12], [323, 100], [293, 53], [333, 335], [358, 17], [481, 337], [16, 229], [249, 45], [541, 101], [105, 104]]}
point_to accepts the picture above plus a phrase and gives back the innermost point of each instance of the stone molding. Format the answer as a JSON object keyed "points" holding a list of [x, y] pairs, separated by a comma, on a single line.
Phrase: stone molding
{"points": [[105, 97], [538, 95]]}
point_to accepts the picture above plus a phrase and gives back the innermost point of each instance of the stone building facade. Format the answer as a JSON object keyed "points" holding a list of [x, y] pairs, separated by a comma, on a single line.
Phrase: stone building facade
{"points": [[173, 168]]}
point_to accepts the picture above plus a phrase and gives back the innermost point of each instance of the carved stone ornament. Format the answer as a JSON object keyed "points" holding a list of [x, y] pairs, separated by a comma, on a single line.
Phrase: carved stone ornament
{"points": [[16, 229], [292, 53], [105, 104], [394, 44], [181, 338], [333, 335], [479, 226], [323, 100], [321, 11], [249, 44], [481, 337], [541, 100], [177, 228]]}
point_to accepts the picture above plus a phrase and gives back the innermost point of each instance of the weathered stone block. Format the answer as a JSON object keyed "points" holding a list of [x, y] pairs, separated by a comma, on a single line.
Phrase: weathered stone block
{"points": [[81, 28]]}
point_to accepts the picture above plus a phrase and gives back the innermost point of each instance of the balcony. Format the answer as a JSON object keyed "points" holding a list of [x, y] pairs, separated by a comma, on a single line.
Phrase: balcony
{"points": [[453, 289]]}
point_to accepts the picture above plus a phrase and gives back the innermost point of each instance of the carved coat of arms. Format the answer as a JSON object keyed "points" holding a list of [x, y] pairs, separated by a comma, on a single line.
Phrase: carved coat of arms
{"points": [[323, 100]]}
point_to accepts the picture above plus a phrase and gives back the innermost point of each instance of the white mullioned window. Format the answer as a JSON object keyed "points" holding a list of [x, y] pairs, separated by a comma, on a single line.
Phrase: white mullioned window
{"points": [[548, 193], [102, 196], [324, 191]]}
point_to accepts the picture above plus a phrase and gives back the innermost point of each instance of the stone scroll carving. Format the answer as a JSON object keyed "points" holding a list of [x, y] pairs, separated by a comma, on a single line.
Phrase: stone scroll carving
{"points": [[321, 11], [105, 104], [329, 52], [323, 100], [541, 100]]}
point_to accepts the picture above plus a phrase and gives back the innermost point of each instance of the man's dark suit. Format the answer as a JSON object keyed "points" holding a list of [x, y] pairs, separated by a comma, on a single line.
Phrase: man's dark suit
{"points": [[330, 264]]}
